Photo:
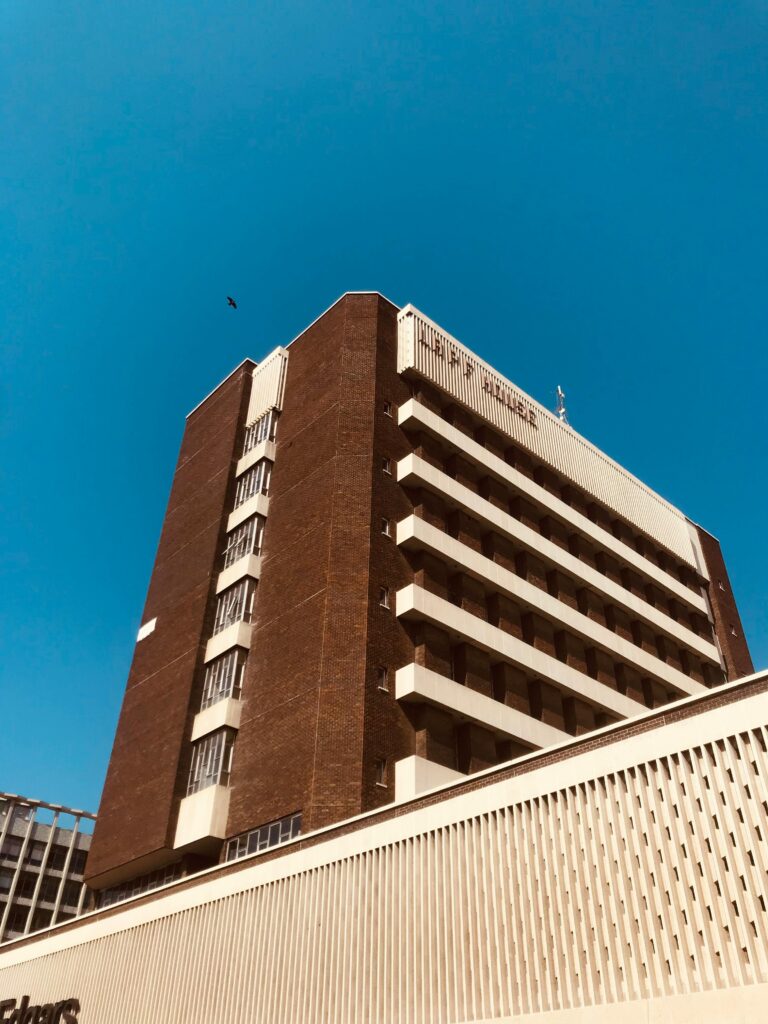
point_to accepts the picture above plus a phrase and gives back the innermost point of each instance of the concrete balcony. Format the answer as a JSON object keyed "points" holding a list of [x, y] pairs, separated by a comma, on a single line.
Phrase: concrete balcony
{"points": [[249, 565], [414, 683], [224, 713], [202, 820]]}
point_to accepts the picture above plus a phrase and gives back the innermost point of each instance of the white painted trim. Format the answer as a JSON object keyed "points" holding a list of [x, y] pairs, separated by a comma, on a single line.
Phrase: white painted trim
{"points": [[415, 602], [527, 595], [236, 635], [146, 629], [419, 683]]}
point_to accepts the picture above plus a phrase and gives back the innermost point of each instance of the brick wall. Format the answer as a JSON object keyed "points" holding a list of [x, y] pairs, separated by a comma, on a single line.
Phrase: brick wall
{"points": [[134, 830]]}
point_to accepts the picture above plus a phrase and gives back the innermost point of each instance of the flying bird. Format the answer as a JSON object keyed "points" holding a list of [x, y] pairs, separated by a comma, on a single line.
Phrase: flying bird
{"points": [[231, 302]]}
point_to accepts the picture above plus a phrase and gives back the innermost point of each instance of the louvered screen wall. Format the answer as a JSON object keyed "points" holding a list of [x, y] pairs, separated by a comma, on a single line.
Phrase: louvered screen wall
{"points": [[268, 385], [644, 881], [442, 359]]}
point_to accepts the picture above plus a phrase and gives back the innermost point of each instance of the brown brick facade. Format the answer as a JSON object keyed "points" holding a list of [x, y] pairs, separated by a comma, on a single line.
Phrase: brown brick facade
{"points": [[314, 720], [728, 628], [134, 830]]}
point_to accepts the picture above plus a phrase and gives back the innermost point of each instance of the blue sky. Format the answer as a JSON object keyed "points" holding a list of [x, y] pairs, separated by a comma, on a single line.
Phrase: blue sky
{"points": [[576, 190]]}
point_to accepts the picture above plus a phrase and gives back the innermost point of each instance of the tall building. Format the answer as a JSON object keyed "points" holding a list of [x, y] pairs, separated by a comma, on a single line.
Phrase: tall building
{"points": [[43, 848], [383, 568]]}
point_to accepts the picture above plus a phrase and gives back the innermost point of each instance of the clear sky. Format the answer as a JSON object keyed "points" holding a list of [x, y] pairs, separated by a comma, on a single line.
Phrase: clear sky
{"points": [[576, 190]]}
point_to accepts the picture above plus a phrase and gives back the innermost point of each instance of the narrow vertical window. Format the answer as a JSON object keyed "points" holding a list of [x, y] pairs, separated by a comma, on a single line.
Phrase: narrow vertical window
{"points": [[381, 772], [386, 466], [388, 409], [384, 597], [382, 677], [385, 528]]}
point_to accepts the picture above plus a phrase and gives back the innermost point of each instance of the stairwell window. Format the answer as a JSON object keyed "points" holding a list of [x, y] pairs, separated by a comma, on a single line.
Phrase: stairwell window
{"points": [[245, 540], [235, 605], [388, 409], [211, 761], [223, 678], [384, 597], [382, 678], [381, 772], [386, 466], [254, 481], [386, 528], [262, 430]]}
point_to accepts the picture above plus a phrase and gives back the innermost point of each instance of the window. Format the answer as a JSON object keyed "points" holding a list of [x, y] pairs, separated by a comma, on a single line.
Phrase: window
{"points": [[11, 848], [211, 761], [381, 772], [137, 886], [262, 430], [386, 466], [235, 605], [35, 852], [17, 919], [388, 409], [77, 863], [245, 540], [254, 481], [49, 890], [223, 677], [57, 858], [261, 838], [385, 528], [6, 877], [382, 674], [384, 597]]}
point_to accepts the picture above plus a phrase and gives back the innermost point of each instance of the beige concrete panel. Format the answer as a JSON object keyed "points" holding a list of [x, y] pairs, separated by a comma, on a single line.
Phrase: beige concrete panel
{"points": [[248, 565], [527, 594], [259, 503], [413, 412], [423, 346], [202, 815], [415, 602], [263, 450], [414, 775], [414, 682], [236, 635], [413, 469], [223, 713]]}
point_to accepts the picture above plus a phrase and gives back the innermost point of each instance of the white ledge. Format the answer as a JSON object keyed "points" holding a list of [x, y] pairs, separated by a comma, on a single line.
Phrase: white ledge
{"points": [[526, 594], [223, 714], [202, 816], [415, 602], [414, 775], [248, 565], [413, 410], [263, 450], [236, 635], [417, 471], [258, 504], [414, 682]]}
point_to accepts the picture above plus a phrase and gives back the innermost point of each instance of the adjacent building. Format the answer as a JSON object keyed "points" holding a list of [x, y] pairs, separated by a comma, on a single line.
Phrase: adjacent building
{"points": [[383, 568], [43, 849]]}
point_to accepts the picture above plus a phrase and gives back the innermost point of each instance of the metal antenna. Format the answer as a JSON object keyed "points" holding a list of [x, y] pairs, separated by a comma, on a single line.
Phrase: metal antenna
{"points": [[560, 411]]}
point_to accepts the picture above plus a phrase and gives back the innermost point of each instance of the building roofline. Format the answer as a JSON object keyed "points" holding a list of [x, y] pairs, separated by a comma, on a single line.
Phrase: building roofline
{"points": [[30, 802], [303, 331]]}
